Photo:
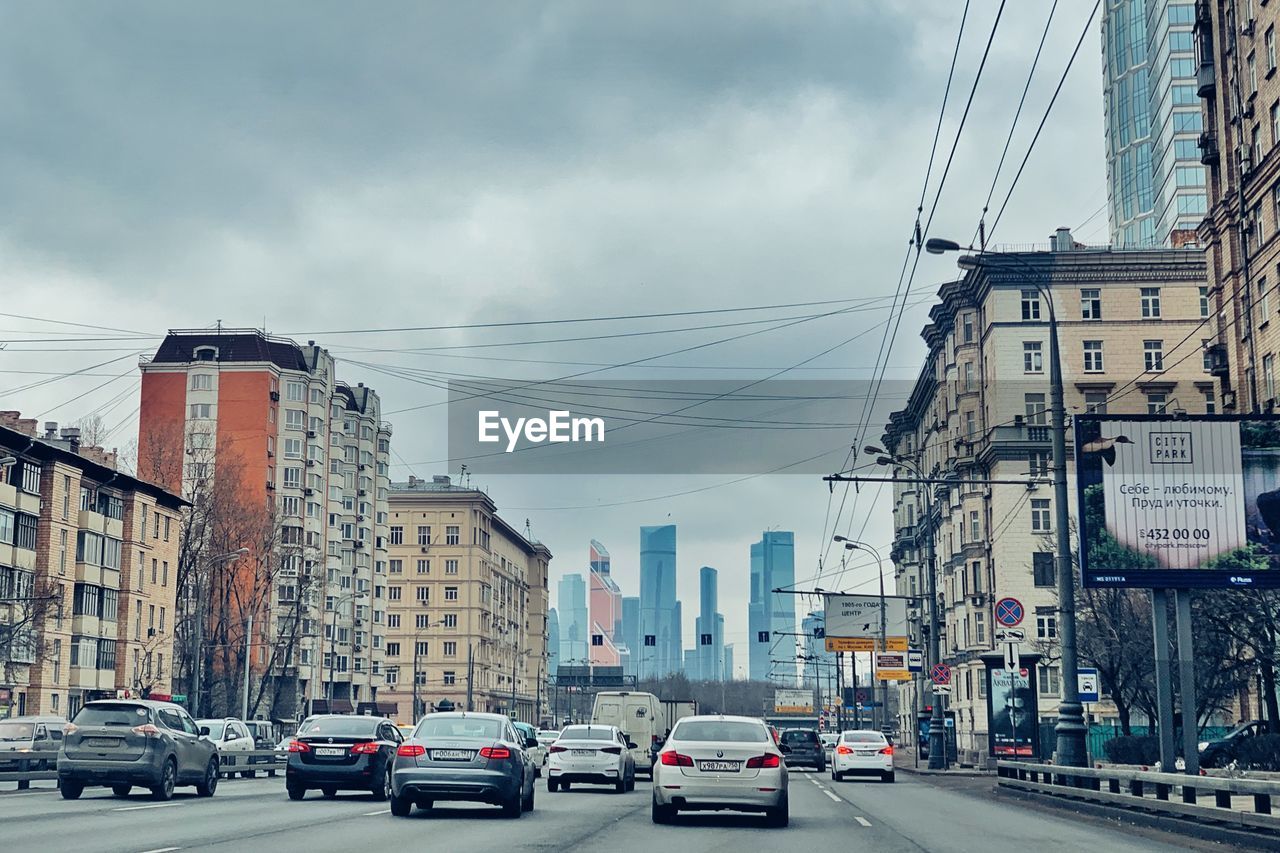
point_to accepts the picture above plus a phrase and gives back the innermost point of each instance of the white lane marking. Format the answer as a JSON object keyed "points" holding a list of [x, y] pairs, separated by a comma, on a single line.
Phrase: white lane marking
{"points": [[153, 806], [862, 820], [832, 796], [371, 814], [162, 850], [815, 781]]}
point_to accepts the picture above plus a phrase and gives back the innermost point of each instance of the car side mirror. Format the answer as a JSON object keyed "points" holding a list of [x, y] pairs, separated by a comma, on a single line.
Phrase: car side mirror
{"points": [[204, 731], [631, 744], [784, 749]]}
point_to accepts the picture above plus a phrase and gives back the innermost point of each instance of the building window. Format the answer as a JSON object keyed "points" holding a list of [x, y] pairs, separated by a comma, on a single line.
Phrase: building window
{"points": [[295, 419], [1093, 356], [1264, 302], [1095, 402], [1156, 402], [293, 478], [1042, 569], [1038, 463], [293, 448], [26, 533], [295, 392], [397, 535], [202, 382], [1153, 356], [975, 526], [1032, 357], [449, 679], [1040, 522], [450, 567], [1204, 291], [1252, 62], [1091, 303], [424, 534], [1150, 303], [452, 535], [1271, 48], [1268, 377], [1030, 305], [424, 594], [450, 648], [1046, 624], [450, 593], [393, 593], [451, 620], [1036, 409], [201, 411], [967, 327], [1049, 680], [422, 648], [424, 567], [395, 567], [1210, 402]]}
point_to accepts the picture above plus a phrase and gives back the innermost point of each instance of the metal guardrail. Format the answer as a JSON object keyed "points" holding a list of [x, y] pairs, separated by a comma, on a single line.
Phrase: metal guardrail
{"points": [[42, 766], [1236, 801]]}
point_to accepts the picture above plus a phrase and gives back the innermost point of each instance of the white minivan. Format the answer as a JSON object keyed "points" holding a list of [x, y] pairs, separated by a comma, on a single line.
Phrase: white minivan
{"points": [[637, 715]]}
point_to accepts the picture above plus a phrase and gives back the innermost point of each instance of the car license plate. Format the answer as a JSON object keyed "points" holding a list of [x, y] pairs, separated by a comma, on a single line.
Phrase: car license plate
{"points": [[867, 751], [718, 766], [582, 753], [450, 755], [102, 742], [330, 751]]}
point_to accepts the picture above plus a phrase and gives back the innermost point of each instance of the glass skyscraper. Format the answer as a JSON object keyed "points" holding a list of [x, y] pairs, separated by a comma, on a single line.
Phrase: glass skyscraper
{"points": [[709, 639], [1156, 189], [660, 651], [772, 616], [572, 609]]}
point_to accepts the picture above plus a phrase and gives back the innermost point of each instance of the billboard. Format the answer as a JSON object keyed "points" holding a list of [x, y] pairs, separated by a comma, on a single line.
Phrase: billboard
{"points": [[790, 701], [892, 666], [1013, 713], [859, 616], [1186, 501]]}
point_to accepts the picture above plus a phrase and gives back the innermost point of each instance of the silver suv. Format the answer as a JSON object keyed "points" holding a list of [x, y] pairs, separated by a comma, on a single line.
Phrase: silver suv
{"points": [[125, 742]]}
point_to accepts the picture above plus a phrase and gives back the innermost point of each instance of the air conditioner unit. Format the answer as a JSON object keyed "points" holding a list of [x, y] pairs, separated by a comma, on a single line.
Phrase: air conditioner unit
{"points": [[362, 467], [361, 493], [425, 549], [308, 491], [271, 487], [311, 463], [359, 544], [359, 518], [311, 433]]}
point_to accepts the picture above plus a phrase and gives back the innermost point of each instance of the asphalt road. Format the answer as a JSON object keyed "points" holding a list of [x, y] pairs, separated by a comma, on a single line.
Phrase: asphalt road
{"points": [[913, 814]]}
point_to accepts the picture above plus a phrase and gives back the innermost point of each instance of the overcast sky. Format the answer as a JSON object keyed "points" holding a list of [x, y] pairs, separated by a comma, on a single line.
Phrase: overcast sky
{"points": [[327, 167]]}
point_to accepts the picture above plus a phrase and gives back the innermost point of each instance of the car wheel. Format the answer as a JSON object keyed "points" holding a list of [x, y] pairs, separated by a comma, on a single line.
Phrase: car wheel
{"points": [[70, 790], [778, 816], [527, 805], [207, 787], [425, 805], [401, 806], [296, 792], [329, 791], [661, 813], [839, 777], [168, 778], [514, 807], [382, 789], [888, 777], [631, 782], [564, 786], [620, 787], [552, 786], [121, 790]]}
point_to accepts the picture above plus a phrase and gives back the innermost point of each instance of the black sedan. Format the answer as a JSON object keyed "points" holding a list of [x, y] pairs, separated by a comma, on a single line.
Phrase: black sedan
{"points": [[336, 752], [803, 747]]}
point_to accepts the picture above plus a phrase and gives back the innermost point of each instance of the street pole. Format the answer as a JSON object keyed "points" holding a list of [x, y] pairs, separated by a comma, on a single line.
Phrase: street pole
{"points": [[470, 672], [415, 711], [937, 722], [248, 636]]}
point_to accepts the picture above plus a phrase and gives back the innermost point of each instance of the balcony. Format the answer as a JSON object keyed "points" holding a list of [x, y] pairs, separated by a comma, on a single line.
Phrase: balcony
{"points": [[1208, 144], [1206, 79]]}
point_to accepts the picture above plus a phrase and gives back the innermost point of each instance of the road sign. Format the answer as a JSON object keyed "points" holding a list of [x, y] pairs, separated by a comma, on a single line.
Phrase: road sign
{"points": [[940, 674], [1010, 635], [861, 696], [915, 660], [1009, 612], [1087, 684], [791, 701], [860, 616], [864, 644], [942, 688], [1012, 657], [891, 666]]}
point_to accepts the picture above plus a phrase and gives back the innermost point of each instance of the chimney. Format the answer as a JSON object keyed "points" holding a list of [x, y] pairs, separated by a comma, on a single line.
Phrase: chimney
{"points": [[1062, 240], [440, 479], [71, 435], [50, 429], [413, 481]]}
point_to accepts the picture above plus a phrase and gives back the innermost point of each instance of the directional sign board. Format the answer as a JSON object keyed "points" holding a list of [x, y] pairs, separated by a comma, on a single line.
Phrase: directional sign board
{"points": [[791, 701], [915, 660], [1010, 635], [1087, 684], [854, 623], [1012, 656], [1009, 612], [891, 666], [940, 674], [864, 644]]}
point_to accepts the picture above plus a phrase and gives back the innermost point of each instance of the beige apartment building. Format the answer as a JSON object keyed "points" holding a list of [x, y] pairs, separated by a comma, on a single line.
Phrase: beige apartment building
{"points": [[88, 571], [979, 411], [1240, 145], [466, 602]]}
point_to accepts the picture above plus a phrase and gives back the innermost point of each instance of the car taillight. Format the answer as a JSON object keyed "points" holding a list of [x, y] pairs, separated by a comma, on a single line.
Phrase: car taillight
{"points": [[767, 760], [612, 750], [367, 748], [888, 750], [298, 746], [411, 750], [844, 750], [498, 753], [671, 758], [147, 729], [558, 749]]}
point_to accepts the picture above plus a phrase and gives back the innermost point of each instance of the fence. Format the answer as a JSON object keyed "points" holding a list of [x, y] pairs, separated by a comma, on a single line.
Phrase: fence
{"points": [[1239, 802], [42, 766], [1099, 735]]}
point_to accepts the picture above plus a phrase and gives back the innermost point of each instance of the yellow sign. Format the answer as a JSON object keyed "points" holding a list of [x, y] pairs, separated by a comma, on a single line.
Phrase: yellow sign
{"points": [[891, 666], [865, 644]]}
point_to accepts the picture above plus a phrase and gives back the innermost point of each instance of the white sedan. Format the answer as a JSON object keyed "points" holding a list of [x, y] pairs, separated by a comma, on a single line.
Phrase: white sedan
{"points": [[595, 755], [717, 763], [863, 752]]}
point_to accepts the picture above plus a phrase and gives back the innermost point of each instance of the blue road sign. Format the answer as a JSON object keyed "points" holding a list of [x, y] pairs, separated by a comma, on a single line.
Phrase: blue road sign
{"points": [[1087, 684], [1009, 612]]}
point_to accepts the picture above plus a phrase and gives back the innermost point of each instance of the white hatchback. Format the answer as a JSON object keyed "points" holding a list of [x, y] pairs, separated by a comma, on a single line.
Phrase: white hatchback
{"points": [[862, 752], [591, 754], [718, 762]]}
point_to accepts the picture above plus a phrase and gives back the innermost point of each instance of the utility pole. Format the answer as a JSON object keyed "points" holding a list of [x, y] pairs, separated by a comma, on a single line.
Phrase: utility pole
{"points": [[470, 672], [248, 666]]}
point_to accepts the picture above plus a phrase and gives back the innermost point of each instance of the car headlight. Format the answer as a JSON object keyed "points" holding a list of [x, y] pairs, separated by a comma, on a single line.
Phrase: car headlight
{"points": [[1202, 746]]}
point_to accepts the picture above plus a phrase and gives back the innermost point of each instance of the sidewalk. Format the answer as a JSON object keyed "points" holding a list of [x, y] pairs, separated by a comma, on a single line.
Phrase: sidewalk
{"points": [[904, 759]]}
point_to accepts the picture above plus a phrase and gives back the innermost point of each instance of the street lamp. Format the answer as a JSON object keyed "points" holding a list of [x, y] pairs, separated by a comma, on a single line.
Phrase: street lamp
{"points": [[197, 634], [1070, 729], [937, 722], [851, 545], [333, 636]]}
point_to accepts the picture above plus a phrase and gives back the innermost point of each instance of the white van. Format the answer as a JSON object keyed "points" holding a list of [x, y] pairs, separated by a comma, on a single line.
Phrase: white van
{"points": [[638, 716]]}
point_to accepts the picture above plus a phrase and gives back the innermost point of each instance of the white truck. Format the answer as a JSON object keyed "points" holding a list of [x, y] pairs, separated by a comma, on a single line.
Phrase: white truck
{"points": [[674, 710], [640, 716]]}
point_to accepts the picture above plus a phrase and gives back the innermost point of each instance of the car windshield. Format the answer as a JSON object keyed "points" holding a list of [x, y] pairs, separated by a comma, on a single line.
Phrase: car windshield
{"points": [[16, 731], [587, 733], [863, 737], [111, 715], [730, 731], [793, 738], [342, 726], [215, 727], [441, 726]]}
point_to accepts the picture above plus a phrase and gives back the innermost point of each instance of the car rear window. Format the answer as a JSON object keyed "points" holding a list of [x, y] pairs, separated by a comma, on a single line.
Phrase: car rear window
{"points": [[112, 715], [342, 726], [587, 733], [794, 737], [440, 726], [863, 737], [720, 730]]}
